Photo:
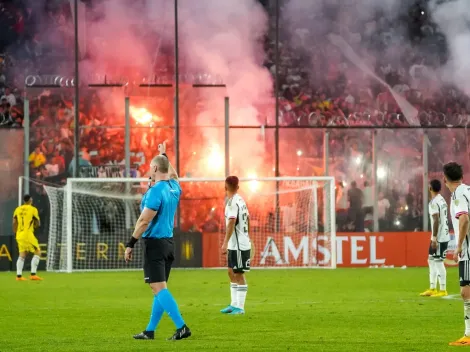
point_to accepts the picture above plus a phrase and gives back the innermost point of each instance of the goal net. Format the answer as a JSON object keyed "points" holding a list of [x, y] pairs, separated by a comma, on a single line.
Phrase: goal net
{"points": [[292, 221]]}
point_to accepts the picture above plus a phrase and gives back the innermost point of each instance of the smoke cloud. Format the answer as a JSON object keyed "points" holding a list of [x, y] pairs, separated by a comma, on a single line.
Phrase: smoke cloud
{"points": [[219, 42], [369, 43], [225, 39], [307, 22], [453, 19]]}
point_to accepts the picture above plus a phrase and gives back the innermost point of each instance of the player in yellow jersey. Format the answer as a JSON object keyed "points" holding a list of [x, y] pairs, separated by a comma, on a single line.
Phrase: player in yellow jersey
{"points": [[25, 220]]}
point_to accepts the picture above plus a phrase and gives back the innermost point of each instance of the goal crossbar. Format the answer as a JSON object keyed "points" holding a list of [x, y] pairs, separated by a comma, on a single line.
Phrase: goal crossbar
{"points": [[185, 179]]}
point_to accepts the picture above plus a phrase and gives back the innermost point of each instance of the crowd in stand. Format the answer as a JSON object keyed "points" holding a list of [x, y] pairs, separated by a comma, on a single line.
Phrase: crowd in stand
{"points": [[318, 87], [321, 87]]}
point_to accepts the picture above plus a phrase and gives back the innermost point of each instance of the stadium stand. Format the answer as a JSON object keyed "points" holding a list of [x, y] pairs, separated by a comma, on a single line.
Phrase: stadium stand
{"points": [[319, 88]]}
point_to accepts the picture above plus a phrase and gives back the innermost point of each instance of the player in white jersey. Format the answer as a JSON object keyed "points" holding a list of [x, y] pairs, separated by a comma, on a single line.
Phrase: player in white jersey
{"points": [[459, 209], [439, 241], [237, 246]]}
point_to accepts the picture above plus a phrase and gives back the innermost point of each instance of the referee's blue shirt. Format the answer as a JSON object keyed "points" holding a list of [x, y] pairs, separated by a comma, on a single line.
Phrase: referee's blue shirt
{"points": [[163, 198]]}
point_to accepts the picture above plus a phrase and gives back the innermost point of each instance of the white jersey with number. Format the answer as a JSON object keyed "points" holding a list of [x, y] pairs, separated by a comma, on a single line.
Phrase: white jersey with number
{"points": [[236, 209], [460, 205], [438, 206]]}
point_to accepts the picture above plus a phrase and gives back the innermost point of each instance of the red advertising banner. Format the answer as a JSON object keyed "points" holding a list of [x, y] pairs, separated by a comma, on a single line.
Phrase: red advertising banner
{"points": [[352, 250]]}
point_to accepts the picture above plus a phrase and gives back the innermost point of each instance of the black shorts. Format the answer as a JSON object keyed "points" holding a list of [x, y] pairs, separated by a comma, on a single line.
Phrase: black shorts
{"points": [[239, 261], [159, 254], [440, 252], [464, 273]]}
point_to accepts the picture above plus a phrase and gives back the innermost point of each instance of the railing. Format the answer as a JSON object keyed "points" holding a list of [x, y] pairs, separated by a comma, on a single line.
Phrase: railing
{"points": [[106, 171], [376, 118]]}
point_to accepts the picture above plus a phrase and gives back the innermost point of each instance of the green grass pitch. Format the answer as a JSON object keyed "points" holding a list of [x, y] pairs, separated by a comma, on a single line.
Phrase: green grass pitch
{"points": [[287, 310]]}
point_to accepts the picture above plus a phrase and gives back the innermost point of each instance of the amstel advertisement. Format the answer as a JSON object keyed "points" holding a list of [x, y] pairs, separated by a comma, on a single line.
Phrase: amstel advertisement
{"points": [[352, 250]]}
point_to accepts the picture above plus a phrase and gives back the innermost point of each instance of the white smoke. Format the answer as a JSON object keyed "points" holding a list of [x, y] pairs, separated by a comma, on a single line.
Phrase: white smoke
{"points": [[224, 39], [453, 19]]}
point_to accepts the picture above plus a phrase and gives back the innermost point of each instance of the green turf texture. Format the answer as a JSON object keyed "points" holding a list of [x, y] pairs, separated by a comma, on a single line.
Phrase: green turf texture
{"points": [[286, 310]]}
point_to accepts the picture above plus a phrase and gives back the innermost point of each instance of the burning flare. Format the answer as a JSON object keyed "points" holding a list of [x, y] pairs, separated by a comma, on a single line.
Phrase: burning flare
{"points": [[215, 158], [142, 116]]}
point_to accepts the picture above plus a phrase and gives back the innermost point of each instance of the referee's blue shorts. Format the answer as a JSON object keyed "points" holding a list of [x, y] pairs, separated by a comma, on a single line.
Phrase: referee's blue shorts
{"points": [[159, 254]]}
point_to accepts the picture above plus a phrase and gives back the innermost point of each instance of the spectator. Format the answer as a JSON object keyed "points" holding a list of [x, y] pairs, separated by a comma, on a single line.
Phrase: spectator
{"points": [[37, 158], [211, 224], [4, 118], [356, 197], [383, 208], [368, 199], [81, 163], [9, 97], [52, 168], [341, 206], [58, 160], [288, 217], [84, 154]]}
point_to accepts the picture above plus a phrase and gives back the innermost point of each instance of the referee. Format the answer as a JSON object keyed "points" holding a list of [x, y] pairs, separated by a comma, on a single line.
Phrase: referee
{"points": [[155, 225]]}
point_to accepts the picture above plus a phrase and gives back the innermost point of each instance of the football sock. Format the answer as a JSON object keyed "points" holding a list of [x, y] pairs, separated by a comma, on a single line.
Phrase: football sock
{"points": [[233, 294], [241, 296], [441, 271], [432, 274], [170, 306], [34, 264], [19, 266], [156, 315], [466, 310]]}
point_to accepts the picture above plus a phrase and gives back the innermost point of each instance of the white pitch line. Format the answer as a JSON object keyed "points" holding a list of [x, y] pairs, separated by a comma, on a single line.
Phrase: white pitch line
{"points": [[258, 303], [453, 297]]}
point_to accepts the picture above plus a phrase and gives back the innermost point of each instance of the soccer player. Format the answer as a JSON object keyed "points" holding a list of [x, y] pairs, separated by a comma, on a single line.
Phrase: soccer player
{"points": [[155, 226], [439, 241], [25, 220], [237, 246], [459, 208]]}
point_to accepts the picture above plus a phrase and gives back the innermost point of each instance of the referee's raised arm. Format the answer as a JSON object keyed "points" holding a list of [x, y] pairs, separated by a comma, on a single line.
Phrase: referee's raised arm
{"points": [[172, 174]]}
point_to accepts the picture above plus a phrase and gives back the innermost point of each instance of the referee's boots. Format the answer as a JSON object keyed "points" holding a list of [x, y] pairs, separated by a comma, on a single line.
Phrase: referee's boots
{"points": [[181, 333], [145, 335]]}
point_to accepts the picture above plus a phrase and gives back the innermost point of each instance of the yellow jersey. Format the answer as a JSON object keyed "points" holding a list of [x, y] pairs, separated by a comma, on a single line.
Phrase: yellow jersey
{"points": [[25, 215]]}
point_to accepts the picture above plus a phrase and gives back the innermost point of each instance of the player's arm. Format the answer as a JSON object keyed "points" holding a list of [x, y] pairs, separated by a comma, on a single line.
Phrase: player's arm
{"points": [[252, 254], [461, 213], [36, 219], [229, 231], [15, 224], [435, 218], [463, 230], [232, 213], [435, 226]]}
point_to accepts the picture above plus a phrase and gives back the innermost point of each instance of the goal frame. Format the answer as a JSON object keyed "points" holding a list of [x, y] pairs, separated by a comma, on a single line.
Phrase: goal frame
{"points": [[68, 188]]}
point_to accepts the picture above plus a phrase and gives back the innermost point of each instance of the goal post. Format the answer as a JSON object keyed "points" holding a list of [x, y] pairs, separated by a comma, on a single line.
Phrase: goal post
{"points": [[91, 219]]}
